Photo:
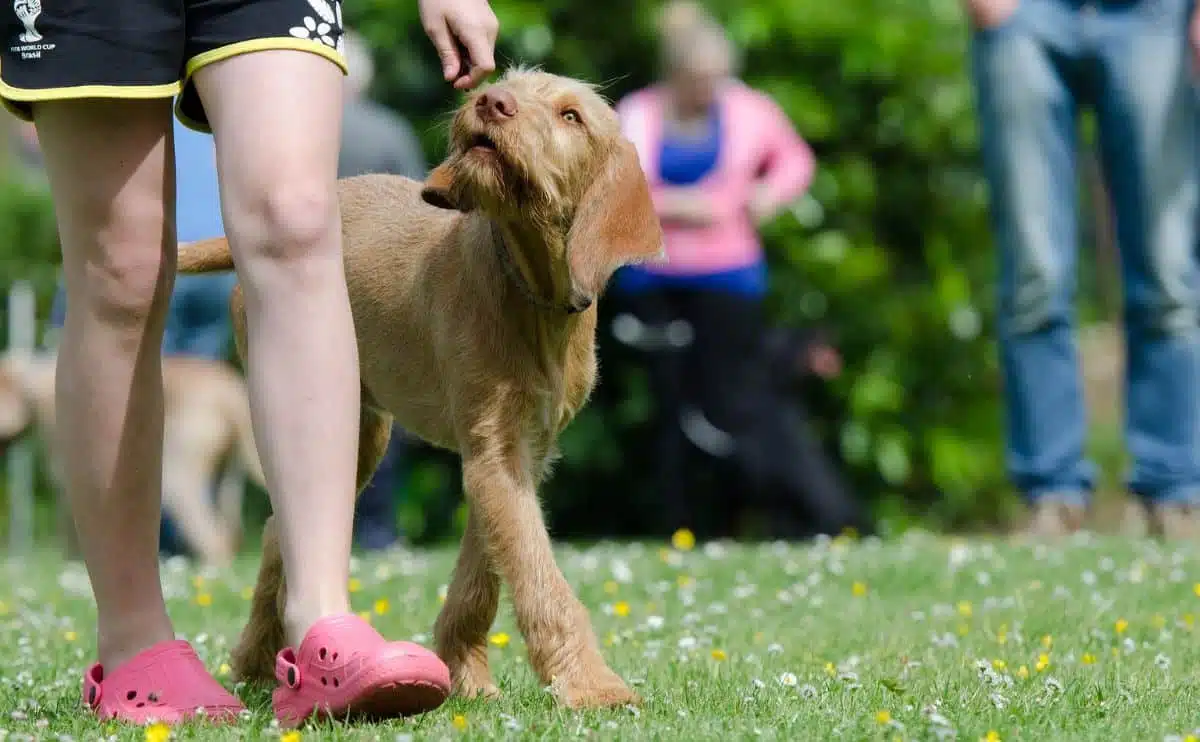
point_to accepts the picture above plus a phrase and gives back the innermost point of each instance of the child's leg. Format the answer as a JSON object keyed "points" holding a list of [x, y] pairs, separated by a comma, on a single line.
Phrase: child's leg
{"points": [[276, 118], [109, 165]]}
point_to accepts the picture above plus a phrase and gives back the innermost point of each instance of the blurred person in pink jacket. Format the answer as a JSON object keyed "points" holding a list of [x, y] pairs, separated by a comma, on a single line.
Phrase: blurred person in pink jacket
{"points": [[721, 159]]}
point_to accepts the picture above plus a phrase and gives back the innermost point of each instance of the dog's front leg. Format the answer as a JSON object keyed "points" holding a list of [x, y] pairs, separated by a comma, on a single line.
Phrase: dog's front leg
{"points": [[562, 645], [461, 630]]}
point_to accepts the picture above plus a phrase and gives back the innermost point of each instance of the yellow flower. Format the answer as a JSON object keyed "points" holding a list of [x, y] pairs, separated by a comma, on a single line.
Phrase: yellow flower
{"points": [[859, 589], [203, 600], [1190, 738], [1047, 641], [999, 664], [1115, 652], [1002, 634], [1121, 625], [1189, 619], [964, 608], [382, 605], [610, 639], [224, 669], [1158, 621], [621, 608], [719, 655], [1196, 589], [991, 736], [499, 639], [611, 587], [1088, 658], [963, 628], [3, 609], [354, 585], [883, 717], [1043, 662], [1022, 672], [459, 722], [292, 736], [683, 540], [158, 732], [70, 636], [247, 593]]}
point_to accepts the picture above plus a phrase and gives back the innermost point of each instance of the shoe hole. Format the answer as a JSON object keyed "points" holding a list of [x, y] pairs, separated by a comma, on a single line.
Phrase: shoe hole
{"points": [[335, 656], [336, 683], [152, 698], [131, 695], [324, 681], [141, 704], [322, 653]]}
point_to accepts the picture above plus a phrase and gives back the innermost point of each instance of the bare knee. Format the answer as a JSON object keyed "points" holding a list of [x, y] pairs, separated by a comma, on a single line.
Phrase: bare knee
{"points": [[289, 233], [123, 278]]}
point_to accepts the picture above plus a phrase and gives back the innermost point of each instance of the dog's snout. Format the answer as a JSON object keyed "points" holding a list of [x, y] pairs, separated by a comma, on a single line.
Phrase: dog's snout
{"points": [[496, 104]]}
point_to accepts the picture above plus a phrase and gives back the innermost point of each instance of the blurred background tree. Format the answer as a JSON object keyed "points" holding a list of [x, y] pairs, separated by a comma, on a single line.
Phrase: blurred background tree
{"points": [[891, 248]]}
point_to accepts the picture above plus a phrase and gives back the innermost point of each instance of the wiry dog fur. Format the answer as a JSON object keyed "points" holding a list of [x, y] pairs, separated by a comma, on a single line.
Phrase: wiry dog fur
{"points": [[488, 359], [207, 431]]}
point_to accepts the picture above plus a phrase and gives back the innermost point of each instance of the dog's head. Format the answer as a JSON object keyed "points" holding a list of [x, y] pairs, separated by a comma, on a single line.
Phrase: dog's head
{"points": [[547, 152]]}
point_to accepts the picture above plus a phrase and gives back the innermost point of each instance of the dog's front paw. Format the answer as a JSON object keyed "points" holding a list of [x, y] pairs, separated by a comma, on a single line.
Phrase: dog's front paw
{"points": [[597, 688]]}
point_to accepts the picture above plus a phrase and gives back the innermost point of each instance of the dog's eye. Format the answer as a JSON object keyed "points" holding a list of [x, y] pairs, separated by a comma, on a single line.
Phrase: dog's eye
{"points": [[571, 116]]}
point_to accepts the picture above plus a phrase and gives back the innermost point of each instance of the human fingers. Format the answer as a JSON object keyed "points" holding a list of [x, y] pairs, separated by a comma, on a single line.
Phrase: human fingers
{"points": [[438, 32]]}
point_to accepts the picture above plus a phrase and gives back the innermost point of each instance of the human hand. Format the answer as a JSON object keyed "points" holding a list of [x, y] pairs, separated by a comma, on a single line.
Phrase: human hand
{"points": [[762, 206], [464, 34], [687, 205], [986, 14], [824, 361], [1194, 39]]}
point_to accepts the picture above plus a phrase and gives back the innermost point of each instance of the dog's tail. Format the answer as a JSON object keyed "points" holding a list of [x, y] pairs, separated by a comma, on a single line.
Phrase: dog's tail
{"points": [[205, 256]]}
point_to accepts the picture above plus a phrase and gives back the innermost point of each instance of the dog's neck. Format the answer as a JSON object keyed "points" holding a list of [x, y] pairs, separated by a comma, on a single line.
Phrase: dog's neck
{"points": [[527, 257]]}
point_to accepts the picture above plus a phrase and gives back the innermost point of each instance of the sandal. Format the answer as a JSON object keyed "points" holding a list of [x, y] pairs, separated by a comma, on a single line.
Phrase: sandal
{"points": [[345, 668], [166, 683]]}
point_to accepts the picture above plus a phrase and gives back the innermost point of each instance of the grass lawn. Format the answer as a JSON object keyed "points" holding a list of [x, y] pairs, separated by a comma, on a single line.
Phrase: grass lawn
{"points": [[917, 638]]}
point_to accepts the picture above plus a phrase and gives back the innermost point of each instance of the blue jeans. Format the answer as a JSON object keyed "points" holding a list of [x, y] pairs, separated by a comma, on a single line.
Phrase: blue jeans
{"points": [[1129, 61]]}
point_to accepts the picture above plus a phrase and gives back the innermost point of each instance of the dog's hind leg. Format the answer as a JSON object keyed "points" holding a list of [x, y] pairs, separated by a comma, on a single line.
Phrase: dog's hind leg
{"points": [[472, 599], [502, 492], [263, 636]]}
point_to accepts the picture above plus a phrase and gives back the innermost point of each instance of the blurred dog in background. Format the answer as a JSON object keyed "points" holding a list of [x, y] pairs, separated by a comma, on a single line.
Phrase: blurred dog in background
{"points": [[207, 435]]}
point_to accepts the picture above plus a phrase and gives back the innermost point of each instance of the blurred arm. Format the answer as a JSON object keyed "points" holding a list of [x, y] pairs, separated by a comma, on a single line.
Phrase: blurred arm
{"points": [[788, 165]]}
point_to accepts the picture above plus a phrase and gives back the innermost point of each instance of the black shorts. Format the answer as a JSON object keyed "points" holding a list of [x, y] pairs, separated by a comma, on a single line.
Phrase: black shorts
{"points": [[147, 48]]}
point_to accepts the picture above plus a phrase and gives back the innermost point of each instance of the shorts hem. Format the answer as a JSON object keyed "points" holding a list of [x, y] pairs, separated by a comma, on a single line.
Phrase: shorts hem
{"points": [[12, 96], [204, 59], [249, 46]]}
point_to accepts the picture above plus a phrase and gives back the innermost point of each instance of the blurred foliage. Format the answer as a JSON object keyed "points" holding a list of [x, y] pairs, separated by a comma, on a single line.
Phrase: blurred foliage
{"points": [[891, 248]]}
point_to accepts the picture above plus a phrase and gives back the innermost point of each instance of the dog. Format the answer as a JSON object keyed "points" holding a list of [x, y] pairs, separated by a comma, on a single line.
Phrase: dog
{"points": [[474, 302], [207, 430]]}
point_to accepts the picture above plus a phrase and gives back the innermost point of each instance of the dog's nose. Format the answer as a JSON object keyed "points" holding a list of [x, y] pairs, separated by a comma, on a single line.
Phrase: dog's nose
{"points": [[496, 104]]}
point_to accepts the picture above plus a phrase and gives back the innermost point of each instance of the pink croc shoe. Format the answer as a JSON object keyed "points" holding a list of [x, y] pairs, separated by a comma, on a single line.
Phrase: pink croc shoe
{"points": [[166, 683], [345, 668]]}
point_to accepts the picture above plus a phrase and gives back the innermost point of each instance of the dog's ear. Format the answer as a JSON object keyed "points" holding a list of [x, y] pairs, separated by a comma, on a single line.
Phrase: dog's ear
{"points": [[614, 225], [440, 190]]}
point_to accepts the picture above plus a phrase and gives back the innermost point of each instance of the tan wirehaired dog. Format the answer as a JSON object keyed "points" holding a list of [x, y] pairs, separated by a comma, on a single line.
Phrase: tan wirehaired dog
{"points": [[474, 304], [207, 438]]}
